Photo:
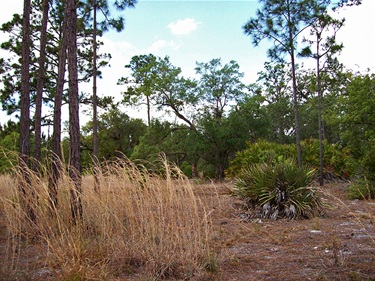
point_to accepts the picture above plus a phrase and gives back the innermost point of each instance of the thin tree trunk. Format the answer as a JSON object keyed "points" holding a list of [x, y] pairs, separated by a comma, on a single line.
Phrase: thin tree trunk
{"points": [[39, 89], [194, 170], [296, 116], [56, 157], [321, 175], [295, 105], [94, 103], [26, 194], [74, 129], [148, 110]]}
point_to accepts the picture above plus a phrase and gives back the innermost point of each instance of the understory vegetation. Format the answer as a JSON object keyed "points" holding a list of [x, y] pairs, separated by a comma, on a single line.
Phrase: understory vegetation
{"points": [[280, 190], [138, 220]]}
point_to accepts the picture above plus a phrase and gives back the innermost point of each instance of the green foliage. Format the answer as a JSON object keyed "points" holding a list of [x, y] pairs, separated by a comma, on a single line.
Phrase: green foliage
{"points": [[9, 140], [356, 126], [337, 162], [10, 65], [162, 137], [158, 84], [118, 135], [361, 189], [259, 152], [274, 84], [279, 190], [8, 152]]}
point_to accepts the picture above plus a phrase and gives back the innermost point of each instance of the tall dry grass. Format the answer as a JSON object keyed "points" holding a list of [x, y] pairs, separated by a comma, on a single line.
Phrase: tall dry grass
{"points": [[154, 224]]}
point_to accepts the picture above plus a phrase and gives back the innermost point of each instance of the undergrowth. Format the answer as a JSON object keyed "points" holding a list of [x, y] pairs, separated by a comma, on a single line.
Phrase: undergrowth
{"points": [[138, 221], [279, 190]]}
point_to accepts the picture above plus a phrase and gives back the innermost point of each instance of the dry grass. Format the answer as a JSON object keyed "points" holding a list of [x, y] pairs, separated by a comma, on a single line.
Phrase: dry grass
{"points": [[148, 227], [138, 222]]}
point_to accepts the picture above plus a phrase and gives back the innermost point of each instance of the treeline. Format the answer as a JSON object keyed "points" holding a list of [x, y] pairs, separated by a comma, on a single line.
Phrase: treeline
{"points": [[210, 138]]}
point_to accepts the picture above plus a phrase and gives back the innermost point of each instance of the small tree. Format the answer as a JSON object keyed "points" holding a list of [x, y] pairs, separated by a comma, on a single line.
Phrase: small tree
{"points": [[326, 47]]}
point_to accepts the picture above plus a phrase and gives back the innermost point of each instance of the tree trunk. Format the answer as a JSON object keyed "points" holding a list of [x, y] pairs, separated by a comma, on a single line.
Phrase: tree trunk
{"points": [[194, 170], [295, 104], [24, 148], [56, 157], [39, 89], [148, 110], [94, 104], [74, 129], [321, 175], [27, 196]]}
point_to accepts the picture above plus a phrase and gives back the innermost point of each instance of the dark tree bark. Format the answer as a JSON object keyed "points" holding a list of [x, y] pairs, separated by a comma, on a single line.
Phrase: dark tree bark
{"points": [[27, 196], [321, 174], [95, 107], [74, 129], [39, 88], [24, 148], [56, 157]]}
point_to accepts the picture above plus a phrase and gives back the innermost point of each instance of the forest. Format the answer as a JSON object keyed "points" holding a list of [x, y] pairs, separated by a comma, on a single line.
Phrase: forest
{"points": [[273, 138]]}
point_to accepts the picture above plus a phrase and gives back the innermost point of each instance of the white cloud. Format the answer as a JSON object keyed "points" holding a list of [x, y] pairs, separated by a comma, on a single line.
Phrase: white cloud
{"points": [[160, 44], [183, 27]]}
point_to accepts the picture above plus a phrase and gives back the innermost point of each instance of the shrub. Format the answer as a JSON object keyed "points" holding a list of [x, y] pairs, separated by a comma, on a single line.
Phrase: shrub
{"points": [[279, 190], [259, 152], [361, 189], [336, 160]]}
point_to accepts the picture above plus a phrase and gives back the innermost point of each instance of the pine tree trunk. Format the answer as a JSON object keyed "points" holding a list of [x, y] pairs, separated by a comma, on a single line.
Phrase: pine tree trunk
{"points": [[24, 148], [56, 157], [321, 175], [39, 89], [74, 129], [295, 103], [94, 103], [26, 194]]}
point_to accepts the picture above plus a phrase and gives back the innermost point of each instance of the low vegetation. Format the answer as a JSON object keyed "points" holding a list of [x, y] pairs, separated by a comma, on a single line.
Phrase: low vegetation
{"points": [[138, 220], [279, 190], [337, 162], [143, 226]]}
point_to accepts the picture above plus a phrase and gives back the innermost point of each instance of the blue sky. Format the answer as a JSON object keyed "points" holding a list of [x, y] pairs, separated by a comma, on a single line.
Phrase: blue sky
{"points": [[190, 31]]}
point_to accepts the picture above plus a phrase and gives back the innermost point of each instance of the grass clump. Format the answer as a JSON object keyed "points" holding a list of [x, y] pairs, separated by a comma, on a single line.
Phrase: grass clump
{"points": [[279, 190], [139, 222]]}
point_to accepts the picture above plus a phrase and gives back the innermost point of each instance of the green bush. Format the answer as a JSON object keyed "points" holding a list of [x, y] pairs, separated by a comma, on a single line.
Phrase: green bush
{"points": [[259, 152], [361, 189], [279, 190], [336, 160]]}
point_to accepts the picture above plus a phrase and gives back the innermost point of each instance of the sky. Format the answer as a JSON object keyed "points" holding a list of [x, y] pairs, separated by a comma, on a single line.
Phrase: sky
{"points": [[193, 31]]}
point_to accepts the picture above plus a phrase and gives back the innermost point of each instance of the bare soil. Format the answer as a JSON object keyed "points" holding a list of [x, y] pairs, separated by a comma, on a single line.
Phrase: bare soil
{"points": [[338, 246]]}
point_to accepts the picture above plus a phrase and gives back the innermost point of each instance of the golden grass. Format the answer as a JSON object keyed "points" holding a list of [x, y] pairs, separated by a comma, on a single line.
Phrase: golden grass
{"points": [[138, 221]]}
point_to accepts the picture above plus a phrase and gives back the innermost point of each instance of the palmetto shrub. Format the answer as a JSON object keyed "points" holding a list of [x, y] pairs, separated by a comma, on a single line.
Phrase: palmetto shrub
{"points": [[279, 190], [336, 160]]}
